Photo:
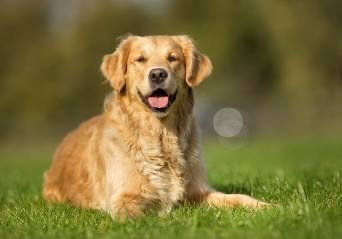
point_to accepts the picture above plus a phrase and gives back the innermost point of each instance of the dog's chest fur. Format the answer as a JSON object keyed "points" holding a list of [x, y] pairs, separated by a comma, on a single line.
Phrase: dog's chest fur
{"points": [[163, 163], [158, 153]]}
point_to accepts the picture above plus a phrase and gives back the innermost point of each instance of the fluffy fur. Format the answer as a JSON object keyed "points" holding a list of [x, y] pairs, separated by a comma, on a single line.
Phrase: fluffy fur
{"points": [[129, 159]]}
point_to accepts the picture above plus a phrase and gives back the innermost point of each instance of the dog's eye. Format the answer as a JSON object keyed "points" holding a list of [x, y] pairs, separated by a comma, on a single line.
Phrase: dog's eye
{"points": [[171, 58], [140, 59]]}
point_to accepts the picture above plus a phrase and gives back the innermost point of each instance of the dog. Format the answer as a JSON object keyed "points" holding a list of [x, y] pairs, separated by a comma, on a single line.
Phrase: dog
{"points": [[142, 153]]}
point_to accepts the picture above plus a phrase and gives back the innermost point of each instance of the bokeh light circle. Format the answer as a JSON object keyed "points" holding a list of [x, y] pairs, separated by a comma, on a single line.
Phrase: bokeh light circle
{"points": [[228, 122]]}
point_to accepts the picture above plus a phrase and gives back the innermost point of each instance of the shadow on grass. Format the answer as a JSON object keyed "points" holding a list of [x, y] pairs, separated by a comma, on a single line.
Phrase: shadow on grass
{"points": [[232, 188]]}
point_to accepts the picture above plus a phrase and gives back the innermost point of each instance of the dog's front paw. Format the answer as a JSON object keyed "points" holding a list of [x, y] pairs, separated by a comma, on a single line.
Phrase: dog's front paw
{"points": [[261, 204], [126, 206]]}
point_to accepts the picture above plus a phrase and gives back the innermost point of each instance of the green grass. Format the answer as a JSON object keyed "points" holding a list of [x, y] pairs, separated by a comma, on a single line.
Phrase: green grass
{"points": [[302, 177]]}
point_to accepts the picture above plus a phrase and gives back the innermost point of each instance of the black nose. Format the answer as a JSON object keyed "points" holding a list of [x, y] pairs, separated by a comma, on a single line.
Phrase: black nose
{"points": [[157, 76]]}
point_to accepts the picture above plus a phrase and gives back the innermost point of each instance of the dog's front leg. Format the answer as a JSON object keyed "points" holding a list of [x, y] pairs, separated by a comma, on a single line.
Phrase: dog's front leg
{"points": [[127, 206], [219, 199]]}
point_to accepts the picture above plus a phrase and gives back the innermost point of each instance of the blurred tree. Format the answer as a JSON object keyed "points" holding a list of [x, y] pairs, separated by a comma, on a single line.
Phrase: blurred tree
{"points": [[277, 60], [23, 27]]}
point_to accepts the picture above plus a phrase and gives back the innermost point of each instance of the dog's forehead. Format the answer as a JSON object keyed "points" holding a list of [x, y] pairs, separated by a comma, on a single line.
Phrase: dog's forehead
{"points": [[151, 44]]}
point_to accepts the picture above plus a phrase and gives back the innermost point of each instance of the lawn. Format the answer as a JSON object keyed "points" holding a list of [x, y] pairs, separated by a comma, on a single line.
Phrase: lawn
{"points": [[301, 176]]}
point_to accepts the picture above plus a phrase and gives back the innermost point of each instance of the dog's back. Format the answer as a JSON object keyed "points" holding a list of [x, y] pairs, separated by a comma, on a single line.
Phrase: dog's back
{"points": [[68, 177]]}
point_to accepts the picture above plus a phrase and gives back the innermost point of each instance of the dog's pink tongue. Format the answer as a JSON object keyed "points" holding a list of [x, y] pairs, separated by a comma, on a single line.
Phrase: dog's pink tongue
{"points": [[158, 102]]}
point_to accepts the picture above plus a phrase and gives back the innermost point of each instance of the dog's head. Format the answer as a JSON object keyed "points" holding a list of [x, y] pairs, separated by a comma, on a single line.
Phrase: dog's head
{"points": [[156, 70]]}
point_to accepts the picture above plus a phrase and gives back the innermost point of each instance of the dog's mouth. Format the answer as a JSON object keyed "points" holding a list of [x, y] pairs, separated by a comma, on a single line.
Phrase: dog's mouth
{"points": [[159, 100]]}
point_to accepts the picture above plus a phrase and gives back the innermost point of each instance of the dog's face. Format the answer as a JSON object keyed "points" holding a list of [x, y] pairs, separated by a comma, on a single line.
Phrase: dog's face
{"points": [[156, 70]]}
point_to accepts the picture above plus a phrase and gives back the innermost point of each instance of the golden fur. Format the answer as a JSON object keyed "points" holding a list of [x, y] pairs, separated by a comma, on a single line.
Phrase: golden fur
{"points": [[129, 159]]}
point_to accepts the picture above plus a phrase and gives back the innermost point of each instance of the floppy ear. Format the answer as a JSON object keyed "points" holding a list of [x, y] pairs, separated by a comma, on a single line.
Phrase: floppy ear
{"points": [[114, 66], [198, 66]]}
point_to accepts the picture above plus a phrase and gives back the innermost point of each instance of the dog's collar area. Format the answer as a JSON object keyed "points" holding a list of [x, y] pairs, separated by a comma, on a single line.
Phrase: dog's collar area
{"points": [[158, 93]]}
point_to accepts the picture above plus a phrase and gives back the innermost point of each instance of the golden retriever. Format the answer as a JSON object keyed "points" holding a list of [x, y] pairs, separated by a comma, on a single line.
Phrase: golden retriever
{"points": [[142, 153]]}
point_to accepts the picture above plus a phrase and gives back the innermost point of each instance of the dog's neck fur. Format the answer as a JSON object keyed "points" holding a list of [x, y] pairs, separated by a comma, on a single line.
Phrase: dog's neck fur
{"points": [[161, 159]]}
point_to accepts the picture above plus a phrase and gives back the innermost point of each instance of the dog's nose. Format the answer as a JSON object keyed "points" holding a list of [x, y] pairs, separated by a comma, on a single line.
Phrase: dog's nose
{"points": [[157, 75]]}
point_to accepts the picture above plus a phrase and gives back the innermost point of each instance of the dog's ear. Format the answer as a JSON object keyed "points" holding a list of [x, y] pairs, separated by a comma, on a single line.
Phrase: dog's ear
{"points": [[198, 66], [114, 66]]}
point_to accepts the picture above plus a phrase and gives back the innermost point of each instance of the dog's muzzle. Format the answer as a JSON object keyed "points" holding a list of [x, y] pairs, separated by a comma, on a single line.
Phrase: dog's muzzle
{"points": [[159, 101]]}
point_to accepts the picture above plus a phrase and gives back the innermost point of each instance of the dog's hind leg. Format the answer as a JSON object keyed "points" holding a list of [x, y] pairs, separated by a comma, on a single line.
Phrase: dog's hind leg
{"points": [[51, 191]]}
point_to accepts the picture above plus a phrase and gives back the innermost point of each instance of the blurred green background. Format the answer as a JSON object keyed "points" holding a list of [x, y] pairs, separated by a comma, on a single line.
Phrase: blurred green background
{"points": [[277, 62], [275, 94]]}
